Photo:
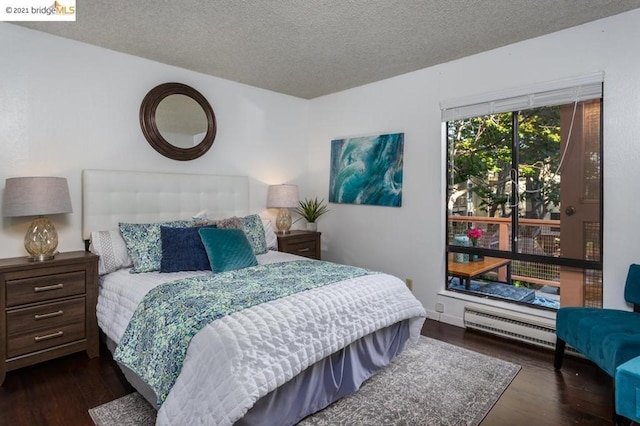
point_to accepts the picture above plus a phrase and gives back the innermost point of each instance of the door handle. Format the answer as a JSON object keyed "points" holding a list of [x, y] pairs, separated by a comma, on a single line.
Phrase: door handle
{"points": [[570, 211]]}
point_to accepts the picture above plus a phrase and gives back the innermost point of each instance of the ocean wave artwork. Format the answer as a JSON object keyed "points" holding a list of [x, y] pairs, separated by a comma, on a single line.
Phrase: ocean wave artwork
{"points": [[367, 170]]}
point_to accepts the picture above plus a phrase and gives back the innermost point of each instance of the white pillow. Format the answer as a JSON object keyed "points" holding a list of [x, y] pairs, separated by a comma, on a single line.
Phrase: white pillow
{"points": [[111, 248], [201, 216], [270, 235]]}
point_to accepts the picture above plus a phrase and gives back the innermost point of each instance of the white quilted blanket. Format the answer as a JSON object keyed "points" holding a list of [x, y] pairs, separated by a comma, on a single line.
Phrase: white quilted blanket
{"points": [[236, 360]]}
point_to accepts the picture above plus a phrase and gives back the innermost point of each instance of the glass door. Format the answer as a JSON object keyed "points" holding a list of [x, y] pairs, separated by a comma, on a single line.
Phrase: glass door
{"points": [[537, 171]]}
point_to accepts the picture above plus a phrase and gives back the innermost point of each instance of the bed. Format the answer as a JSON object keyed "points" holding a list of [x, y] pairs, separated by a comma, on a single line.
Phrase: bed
{"points": [[304, 333]]}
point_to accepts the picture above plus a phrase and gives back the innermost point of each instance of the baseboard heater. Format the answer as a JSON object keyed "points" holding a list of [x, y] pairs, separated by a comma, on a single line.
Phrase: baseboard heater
{"points": [[512, 325]]}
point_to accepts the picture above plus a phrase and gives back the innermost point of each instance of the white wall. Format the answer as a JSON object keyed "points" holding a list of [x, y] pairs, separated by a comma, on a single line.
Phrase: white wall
{"points": [[409, 241], [67, 106]]}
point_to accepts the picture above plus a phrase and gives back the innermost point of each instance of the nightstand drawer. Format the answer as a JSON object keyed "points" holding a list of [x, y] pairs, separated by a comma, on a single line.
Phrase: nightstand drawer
{"points": [[302, 248], [47, 309], [37, 340], [302, 243], [43, 288], [46, 316]]}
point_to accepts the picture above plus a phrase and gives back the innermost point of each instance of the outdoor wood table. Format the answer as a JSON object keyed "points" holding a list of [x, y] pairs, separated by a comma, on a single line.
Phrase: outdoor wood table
{"points": [[467, 271]]}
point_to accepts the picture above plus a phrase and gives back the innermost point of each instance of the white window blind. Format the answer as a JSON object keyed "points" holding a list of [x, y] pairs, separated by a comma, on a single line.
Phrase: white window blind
{"points": [[547, 94]]}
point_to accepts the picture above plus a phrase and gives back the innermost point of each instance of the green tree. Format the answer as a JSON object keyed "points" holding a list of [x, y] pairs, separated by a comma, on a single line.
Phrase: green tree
{"points": [[539, 156], [481, 151]]}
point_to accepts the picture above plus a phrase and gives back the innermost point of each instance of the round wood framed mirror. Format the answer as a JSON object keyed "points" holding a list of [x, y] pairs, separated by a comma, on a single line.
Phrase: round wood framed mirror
{"points": [[178, 121]]}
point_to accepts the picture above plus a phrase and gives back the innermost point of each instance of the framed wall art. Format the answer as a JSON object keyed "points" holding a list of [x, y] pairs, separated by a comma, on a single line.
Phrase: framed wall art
{"points": [[367, 170]]}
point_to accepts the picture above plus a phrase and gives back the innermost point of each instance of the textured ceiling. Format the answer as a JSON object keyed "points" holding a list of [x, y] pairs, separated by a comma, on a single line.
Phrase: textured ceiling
{"points": [[309, 48]]}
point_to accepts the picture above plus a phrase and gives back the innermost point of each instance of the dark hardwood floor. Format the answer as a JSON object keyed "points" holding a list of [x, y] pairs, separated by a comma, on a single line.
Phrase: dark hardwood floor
{"points": [[60, 392], [580, 393]]}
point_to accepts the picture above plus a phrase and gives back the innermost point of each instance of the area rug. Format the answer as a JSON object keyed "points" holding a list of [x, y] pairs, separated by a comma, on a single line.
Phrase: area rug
{"points": [[430, 383]]}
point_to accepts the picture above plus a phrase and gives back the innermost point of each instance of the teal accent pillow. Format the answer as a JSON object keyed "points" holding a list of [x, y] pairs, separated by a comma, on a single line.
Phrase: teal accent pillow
{"points": [[252, 226], [144, 244], [227, 249]]}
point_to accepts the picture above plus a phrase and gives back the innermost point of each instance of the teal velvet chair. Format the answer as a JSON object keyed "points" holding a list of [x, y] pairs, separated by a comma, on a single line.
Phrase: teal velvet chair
{"points": [[608, 337], [628, 389]]}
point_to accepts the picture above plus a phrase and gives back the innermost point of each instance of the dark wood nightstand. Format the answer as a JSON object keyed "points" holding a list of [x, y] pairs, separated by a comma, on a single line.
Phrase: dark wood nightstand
{"points": [[302, 243], [48, 309]]}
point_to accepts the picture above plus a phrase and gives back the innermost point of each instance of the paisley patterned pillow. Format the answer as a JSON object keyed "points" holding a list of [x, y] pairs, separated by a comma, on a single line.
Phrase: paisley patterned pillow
{"points": [[144, 243], [252, 226]]}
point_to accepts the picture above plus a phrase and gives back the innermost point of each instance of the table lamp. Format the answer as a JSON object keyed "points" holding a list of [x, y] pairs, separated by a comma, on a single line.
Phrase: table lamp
{"points": [[283, 197], [37, 196]]}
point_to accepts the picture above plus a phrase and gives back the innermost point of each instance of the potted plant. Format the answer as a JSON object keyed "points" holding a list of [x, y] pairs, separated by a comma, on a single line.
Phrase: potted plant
{"points": [[311, 210]]}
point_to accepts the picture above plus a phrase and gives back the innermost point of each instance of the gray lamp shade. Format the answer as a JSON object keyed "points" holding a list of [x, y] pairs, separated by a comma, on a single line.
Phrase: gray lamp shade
{"points": [[282, 196], [36, 196]]}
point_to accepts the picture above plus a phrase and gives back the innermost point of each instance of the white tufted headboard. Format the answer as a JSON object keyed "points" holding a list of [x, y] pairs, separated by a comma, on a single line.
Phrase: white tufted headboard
{"points": [[110, 196]]}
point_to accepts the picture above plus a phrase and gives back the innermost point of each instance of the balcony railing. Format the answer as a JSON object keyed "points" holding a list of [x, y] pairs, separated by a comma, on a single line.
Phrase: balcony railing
{"points": [[535, 236]]}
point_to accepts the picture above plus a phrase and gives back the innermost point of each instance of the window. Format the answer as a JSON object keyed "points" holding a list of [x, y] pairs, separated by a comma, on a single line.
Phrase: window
{"points": [[524, 195]]}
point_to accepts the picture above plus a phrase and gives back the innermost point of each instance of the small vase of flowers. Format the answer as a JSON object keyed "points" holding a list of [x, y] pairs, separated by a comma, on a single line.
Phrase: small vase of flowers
{"points": [[474, 235]]}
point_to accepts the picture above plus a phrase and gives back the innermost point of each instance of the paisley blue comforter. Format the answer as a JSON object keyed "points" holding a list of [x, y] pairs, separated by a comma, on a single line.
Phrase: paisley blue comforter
{"points": [[155, 342]]}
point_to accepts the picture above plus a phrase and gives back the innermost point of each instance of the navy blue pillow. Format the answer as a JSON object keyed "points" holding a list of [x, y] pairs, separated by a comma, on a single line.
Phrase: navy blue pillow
{"points": [[182, 250]]}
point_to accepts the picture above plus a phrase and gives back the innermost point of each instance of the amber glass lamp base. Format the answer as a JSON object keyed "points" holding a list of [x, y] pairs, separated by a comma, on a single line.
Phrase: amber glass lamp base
{"points": [[41, 240], [283, 221]]}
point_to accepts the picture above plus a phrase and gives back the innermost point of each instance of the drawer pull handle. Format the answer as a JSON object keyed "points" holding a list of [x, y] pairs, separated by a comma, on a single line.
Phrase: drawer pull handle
{"points": [[49, 315], [49, 336], [48, 288], [304, 250]]}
